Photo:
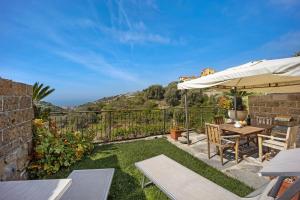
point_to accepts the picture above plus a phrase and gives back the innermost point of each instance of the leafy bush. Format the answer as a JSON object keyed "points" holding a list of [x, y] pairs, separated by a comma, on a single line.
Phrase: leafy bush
{"points": [[172, 94], [196, 98], [224, 102], [154, 92], [52, 151]]}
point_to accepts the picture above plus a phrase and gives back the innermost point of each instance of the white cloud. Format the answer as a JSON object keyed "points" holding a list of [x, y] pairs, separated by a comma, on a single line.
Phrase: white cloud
{"points": [[128, 31], [97, 63], [138, 37], [135, 36]]}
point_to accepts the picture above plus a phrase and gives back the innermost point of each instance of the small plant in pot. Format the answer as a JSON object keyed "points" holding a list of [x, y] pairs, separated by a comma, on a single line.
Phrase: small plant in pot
{"points": [[175, 131]]}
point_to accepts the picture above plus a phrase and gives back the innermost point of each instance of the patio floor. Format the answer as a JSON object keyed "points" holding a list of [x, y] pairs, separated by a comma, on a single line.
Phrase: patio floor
{"points": [[246, 170]]}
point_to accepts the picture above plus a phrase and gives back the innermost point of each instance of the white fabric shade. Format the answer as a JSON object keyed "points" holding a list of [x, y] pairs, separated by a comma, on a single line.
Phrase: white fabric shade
{"points": [[269, 76]]}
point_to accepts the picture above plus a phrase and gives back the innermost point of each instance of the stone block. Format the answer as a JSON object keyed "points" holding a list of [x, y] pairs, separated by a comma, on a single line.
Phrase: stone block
{"points": [[11, 158], [282, 111], [265, 109], [2, 167], [265, 98], [279, 97], [6, 136], [282, 104], [291, 104], [22, 157], [10, 171], [253, 99], [272, 104], [10, 103], [1, 103], [15, 144], [29, 90], [294, 111], [254, 109], [30, 146], [19, 89], [294, 97], [26, 115], [5, 87], [25, 102], [14, 117], [4, 120], [27, 129]]}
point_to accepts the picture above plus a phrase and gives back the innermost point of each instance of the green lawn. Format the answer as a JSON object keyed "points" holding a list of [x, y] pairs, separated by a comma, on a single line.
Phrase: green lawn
{"points": [[126, 181]]}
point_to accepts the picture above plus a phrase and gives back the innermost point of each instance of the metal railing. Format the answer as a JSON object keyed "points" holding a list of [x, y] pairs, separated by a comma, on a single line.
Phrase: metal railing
{"points": [[116, 125]]}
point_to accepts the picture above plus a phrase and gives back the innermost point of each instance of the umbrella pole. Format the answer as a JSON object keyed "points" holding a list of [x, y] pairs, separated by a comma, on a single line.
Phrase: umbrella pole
{"points": [[235, 103], [186, 117]]}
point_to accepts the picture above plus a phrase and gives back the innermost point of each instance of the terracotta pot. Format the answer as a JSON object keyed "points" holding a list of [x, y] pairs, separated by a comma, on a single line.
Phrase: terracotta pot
{"points": [[175, 133], [284, 187], [241, 114]]}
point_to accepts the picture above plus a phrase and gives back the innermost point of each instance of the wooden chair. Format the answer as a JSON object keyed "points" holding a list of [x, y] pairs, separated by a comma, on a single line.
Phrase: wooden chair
{"points": [[264, 120], [260, 121], [219, 120], [222, 143], [278, 143]]}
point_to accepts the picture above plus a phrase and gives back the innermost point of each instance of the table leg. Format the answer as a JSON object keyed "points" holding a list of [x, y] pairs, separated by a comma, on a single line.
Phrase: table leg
{"points": [[260, 151]]}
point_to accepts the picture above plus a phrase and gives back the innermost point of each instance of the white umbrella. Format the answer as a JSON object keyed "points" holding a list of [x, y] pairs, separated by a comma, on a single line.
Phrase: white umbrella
{"points": [[268, 76]]}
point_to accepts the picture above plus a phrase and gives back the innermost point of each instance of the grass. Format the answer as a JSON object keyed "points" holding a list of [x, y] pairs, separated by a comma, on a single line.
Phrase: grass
{"points": [[126, 181]]}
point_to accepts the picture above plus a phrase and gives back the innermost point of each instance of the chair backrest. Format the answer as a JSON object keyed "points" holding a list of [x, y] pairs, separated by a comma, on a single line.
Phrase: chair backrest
{"points": [[213, 133], [264, 120], [218, 120], [291, 137]]}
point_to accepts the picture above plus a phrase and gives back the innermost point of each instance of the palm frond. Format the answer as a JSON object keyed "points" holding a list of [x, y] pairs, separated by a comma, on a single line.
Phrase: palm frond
{"points": [[40, 92]]}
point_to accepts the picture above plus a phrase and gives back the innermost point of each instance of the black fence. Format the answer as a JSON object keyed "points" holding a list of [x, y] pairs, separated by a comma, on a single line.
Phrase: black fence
{"points": [[116, 125]]}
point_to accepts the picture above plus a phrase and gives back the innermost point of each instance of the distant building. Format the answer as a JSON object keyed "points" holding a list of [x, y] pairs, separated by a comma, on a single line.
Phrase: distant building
{"points": [[186, 78], [207, 71]]}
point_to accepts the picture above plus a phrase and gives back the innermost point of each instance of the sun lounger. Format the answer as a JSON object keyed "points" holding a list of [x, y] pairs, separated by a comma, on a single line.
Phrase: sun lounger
{"points": [[93, 184], [181, 183], [34, 189]]}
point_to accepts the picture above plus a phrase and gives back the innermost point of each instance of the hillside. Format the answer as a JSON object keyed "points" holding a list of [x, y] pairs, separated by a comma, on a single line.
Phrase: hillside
{"points": [[47, 105], [155, 96]]}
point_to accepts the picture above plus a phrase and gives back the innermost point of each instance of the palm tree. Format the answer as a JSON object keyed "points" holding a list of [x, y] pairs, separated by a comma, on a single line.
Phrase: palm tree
{"points": [[40, 92]]}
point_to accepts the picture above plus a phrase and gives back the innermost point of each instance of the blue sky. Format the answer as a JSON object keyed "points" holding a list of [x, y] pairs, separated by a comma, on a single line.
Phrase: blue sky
{"points": [[90, 49]]}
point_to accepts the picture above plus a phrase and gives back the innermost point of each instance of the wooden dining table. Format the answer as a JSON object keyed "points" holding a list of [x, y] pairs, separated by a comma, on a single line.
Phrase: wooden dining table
{"points": [[244, 131]]}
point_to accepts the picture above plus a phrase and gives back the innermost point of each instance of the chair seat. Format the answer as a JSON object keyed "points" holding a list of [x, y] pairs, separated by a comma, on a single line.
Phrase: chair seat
{"points": [[229, 133], [274, 144], [227, 142]]}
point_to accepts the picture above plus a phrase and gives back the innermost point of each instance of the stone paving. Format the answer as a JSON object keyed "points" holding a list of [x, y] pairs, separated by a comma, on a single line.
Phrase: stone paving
{"points": [[246, 170]]}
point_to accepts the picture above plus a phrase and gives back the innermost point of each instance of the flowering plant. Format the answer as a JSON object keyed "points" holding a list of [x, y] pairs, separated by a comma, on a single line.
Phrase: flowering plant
{"points": [[52, 151]]}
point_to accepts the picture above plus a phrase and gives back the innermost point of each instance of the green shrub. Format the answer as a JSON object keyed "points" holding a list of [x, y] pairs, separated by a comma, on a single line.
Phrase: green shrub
{"points": [[53, 152]]}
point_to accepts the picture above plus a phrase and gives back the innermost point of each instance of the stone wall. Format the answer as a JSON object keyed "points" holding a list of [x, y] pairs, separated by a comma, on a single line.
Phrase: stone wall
{"points": [[16, 114], [273, 105]]}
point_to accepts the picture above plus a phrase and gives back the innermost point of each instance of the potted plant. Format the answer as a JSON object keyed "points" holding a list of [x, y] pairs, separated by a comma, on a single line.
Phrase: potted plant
{"points": [[241, 108], [175, 131]]}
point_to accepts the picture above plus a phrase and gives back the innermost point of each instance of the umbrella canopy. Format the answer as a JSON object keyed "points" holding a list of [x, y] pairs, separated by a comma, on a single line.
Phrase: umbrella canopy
{"points": [[269, 76]]}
